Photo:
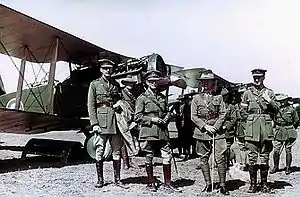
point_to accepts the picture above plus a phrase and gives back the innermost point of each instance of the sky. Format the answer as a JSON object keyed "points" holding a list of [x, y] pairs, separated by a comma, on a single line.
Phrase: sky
{"points": [[230, 37]]}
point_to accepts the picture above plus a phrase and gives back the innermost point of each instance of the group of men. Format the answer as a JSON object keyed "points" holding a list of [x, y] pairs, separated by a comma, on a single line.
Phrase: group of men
{"points": [[260, 120], [213, 121], [115, 114]]}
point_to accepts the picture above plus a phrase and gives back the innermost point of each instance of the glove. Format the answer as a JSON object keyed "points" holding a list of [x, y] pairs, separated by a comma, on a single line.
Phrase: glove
{"points": [[266, 96], [96, 128], [157, 120], [210, 129]]}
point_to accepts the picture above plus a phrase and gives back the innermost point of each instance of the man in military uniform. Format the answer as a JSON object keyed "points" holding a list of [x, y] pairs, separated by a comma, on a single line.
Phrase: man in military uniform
{"points": [[286, 122], [131, 145], [208, 113], [102, 95], [259, 102], [230, 122], [151, 114], [184, 125], [240, 130]]}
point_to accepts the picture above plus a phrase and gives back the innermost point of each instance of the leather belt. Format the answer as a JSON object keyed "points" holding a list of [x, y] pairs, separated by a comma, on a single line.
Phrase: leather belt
{"points": [[104, 104], [283, 125], [209, 116], [257, 111]]}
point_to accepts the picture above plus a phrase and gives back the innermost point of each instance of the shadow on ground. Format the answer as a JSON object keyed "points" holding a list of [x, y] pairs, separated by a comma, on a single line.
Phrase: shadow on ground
{"points": [[280, 185], [144, 180], [234, 184], [183, 182]]}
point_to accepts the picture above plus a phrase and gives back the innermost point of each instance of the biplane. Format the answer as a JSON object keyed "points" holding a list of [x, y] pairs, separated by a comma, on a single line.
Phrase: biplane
{"points": [[49, 105]]}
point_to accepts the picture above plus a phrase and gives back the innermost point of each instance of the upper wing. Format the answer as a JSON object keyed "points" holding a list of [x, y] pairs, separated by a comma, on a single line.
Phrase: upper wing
{"points": [[19, 31], [175, 68]]}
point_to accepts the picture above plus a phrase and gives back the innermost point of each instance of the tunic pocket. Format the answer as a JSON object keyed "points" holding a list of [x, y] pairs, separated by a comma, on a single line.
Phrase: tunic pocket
{"points": [[269, 126], [249, 126], [102, 117]]}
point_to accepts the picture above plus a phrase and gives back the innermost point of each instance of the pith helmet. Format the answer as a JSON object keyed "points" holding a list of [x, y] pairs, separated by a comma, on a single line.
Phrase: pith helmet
{"points": [[207, 75], [129, 80], [224, 91], [281, 97]]}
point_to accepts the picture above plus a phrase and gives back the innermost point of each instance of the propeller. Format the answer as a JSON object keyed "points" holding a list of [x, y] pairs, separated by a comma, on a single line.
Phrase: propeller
{"points": [[166, 81]]}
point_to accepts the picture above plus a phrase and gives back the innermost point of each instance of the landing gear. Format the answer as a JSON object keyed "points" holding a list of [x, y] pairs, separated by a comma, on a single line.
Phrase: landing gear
{"points": [[68, 151]]}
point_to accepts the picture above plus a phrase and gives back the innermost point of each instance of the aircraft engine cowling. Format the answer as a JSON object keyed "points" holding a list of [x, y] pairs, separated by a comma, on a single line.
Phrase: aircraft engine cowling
{"points": [[139, 66]]}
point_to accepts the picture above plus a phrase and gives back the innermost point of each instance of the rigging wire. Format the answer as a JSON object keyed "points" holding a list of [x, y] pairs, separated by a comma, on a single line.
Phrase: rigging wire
{"points": [[3, 46]]}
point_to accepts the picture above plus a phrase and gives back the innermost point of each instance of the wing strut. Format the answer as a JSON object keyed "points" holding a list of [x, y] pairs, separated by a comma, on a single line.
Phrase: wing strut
{"points": [[52, 75], [20, 80], [8, 54]]}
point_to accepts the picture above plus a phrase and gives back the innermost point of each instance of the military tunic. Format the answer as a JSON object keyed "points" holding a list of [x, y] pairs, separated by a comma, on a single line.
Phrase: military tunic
{"points": [[129, 97], [130, 135], [209, 110], [258, 129], [229, 128], [240, 133], [153, 135], [230, 121], [185, 126], [102, 95], [286, 123], [241, 121]]}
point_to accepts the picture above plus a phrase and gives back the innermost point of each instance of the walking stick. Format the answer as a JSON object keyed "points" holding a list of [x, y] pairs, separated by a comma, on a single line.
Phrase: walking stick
{"points": [[175, 164], [213, 161]]}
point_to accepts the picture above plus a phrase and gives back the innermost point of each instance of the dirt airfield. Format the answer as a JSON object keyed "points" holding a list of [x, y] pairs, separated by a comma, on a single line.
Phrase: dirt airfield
{"points": [[46, 177]]}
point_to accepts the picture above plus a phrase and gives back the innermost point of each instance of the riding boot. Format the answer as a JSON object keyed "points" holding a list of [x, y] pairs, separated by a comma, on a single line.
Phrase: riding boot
{"points": [[167, 178], [125, 158], [206, 174], [276, 162], [99, 167], [151, 181], [264, 178], [253, 179], [222, 177], [228, 159], [288, 163], [117, 172]]}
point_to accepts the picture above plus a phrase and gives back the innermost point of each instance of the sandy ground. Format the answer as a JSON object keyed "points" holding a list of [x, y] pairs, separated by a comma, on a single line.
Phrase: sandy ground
{"points": [[40, 178]]}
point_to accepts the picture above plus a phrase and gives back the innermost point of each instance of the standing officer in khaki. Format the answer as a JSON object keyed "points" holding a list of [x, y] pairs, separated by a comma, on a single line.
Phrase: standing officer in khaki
{"points": [[103, 94], [131, 146], [240, 131], [259, 102], [184, 126], [230, 122], [208, 113], [286, 122], [151, 114]]}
